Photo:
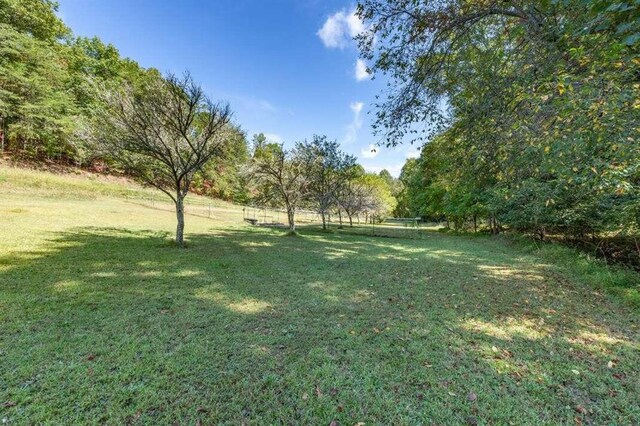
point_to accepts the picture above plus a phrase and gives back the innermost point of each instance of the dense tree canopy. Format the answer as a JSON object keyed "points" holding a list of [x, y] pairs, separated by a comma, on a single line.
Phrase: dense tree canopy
{"points": [[530, 110]]}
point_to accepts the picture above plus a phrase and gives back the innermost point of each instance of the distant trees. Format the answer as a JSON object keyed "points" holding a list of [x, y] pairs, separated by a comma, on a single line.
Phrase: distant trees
{"points": [[317, 175], [359, 196], [164, 133]]}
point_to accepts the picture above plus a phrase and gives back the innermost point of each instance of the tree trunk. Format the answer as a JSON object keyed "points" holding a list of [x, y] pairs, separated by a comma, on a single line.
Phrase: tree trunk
{"points": [[340, 217], [350, 221], [180, 216], [324, 220], [1, 134], [291, 217]]}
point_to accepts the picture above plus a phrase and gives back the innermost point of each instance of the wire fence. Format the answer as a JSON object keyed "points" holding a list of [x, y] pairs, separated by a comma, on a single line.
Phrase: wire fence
{"points": [[266, 216]]}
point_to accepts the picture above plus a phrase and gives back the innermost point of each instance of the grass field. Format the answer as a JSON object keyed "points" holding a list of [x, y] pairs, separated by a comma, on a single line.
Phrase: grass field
{"points": [[102, 320]]}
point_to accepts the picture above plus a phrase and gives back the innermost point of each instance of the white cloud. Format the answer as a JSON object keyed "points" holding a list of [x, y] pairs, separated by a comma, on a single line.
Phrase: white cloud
{"points": [[340, 28], [356, 107], [413, 153], [361, 70], [356, 122], [394, 169], [370, 151], [272, 137]]}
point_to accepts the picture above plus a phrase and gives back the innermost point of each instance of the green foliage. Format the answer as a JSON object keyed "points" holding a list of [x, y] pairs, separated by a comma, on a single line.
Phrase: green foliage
{"points": [[36, 18], [36, 110], [382, 202], [51, 83], [224, 177], [542, 111]]}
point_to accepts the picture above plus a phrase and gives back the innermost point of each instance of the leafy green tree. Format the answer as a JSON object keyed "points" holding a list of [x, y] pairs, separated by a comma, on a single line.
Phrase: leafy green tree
{"points": [[36, 112], [36, 18], [395, 185], [529, 110]]}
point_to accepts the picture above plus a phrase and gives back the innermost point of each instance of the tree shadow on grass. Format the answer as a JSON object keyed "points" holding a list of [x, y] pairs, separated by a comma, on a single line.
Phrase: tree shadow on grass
{"points": [[246, 325]]}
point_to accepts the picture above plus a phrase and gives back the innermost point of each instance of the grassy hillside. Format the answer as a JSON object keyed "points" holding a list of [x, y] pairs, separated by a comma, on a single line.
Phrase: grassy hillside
{"points": [[104, 321]]}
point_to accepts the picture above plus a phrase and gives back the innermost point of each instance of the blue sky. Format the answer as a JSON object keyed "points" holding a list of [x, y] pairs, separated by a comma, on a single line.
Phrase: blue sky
{"points": [[287, 67]]}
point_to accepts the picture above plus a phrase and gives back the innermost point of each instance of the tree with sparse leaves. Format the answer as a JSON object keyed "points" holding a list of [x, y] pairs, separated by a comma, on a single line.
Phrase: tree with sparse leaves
{"points": [[164, 133], [281, 176], [329, 172]]}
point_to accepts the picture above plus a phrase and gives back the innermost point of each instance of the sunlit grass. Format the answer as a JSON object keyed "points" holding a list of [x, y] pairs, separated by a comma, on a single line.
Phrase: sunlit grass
{"points": [[102, 320]]}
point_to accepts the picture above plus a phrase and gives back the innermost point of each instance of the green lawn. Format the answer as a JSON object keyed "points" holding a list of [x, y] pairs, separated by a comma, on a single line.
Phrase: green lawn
{"points": [[102, 320]]}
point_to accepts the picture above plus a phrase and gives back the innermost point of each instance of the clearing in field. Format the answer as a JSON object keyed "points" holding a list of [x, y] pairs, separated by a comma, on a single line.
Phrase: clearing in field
{"points": [[102, 320]]}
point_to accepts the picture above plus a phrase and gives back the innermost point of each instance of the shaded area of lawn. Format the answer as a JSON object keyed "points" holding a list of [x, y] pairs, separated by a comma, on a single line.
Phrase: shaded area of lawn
{"points": [[107, 325]]}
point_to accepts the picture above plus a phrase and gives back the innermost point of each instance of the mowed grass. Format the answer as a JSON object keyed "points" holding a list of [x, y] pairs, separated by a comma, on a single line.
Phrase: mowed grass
{"points": [[103, 321]]}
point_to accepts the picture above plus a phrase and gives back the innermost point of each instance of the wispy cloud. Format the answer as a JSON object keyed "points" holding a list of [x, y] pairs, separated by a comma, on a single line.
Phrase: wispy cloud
{"points": [[361, 72], [266, 106], [394, 169], [255, 104], [272, 137], [370, 151], [340, 28], [356, 122], [413, 152]]}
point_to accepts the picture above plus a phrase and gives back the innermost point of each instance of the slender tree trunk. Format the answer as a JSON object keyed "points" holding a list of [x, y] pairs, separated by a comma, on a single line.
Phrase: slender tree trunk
{"points": [[291, 217], [180, 216], [1, 134], [340, 217], [324, 220], [350, 221]]}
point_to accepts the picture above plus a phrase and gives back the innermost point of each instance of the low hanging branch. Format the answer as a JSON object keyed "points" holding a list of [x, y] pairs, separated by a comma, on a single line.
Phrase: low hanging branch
{"points": [[164, 133], [418, 43]]}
